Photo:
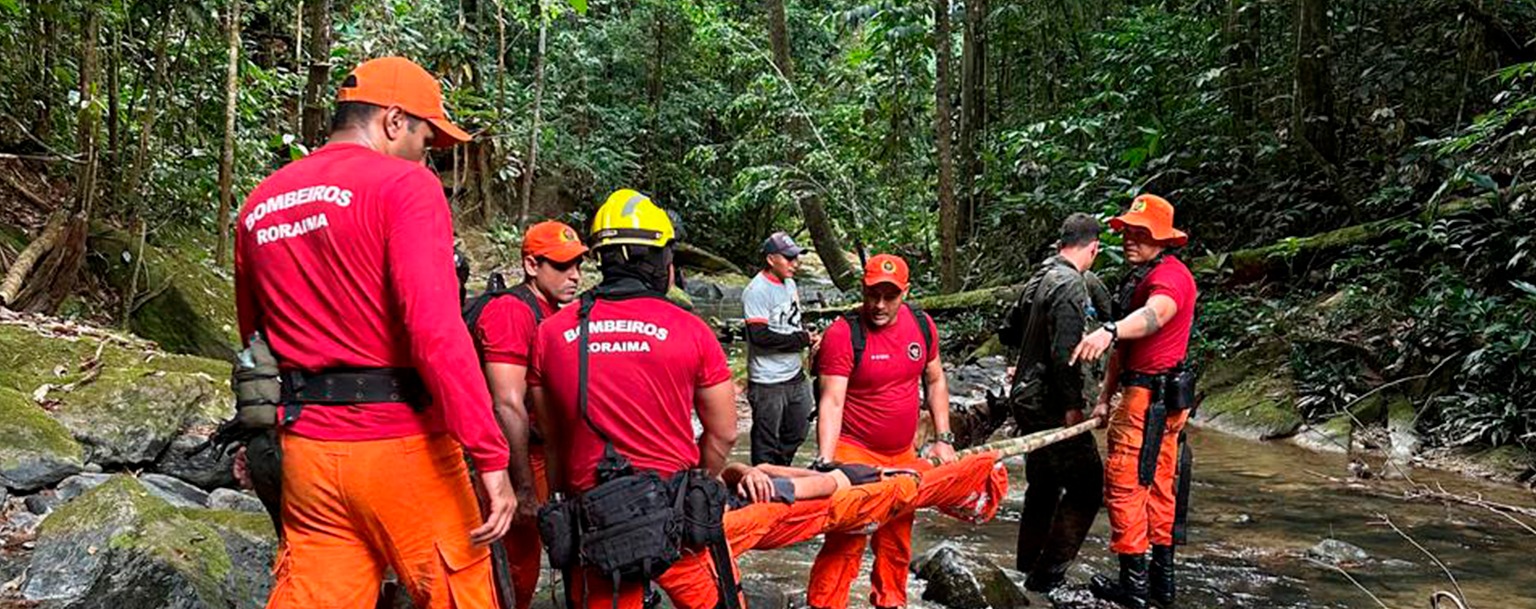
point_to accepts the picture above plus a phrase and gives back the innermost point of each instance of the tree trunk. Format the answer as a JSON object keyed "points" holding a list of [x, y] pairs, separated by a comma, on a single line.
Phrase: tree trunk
{"points": [[533, 129], [973, 84], [943, 122], [1242, 33], [319, 79], [296, 106], [42, 125], [1315, 125], [114, 136], [88, 117], [227, 158], [150, 114], [823, 235]]}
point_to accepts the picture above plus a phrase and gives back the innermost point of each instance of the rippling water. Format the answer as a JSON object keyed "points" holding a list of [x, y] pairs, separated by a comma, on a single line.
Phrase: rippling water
{"points": [[1257, 508]]}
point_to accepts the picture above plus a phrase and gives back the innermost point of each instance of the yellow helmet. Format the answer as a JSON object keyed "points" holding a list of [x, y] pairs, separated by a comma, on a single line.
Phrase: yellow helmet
{"points": [[630, 218]]}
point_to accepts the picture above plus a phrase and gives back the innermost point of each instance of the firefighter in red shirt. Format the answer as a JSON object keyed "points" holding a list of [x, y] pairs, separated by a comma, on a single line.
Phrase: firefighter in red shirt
{"points": [[616, 380], [1156, 308], [872, 366], [504, 323], [344, 264]]}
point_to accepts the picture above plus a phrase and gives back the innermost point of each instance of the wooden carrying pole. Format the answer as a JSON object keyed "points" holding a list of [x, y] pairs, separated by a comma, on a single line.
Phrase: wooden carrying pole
{"points": [[1021, 445]]}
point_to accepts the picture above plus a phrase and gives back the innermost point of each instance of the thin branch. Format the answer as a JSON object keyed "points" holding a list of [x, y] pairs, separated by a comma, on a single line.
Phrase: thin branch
{"points": [[1351, 579], [1431, 555], [75, 158]]}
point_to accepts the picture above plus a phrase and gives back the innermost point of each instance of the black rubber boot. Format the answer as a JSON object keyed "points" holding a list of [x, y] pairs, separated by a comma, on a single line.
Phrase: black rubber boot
{"points": [[1044, 581], [1131, 590], [1162, 588]]}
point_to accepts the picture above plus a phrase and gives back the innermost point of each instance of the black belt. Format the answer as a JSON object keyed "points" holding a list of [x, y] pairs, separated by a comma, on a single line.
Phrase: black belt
{"points": [[1132, 378], [341, 386]]}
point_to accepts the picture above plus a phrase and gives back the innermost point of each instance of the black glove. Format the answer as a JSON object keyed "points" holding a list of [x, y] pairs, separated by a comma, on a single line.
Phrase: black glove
{"points": [[860, 474]]}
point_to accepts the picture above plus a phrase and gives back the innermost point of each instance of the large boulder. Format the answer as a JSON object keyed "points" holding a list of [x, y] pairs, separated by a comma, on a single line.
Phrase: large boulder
{"points": [[119, 397], [190, 308], [129, 416], [120, 546], [1251, 395], [35, 450], [961, 580]]}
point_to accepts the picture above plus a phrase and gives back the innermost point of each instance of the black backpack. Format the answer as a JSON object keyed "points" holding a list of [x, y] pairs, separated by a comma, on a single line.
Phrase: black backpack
{"points": [[860, 341], [496, 287]]}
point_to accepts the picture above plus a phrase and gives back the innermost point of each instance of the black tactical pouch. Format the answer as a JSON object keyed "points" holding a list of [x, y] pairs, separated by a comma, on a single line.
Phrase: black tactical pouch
{"points": [[1179, 389], [628, 527], [704, 499], [557, 529]]}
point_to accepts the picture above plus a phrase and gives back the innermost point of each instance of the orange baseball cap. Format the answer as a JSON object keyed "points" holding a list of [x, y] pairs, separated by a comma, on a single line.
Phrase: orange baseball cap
{"points": [[886, 268], [554, 241], [397, 81], [1155, 214]]}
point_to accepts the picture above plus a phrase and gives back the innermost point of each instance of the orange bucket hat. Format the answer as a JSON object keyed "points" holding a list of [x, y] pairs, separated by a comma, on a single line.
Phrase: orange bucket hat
{"points": [[1155, 214], [397, 81]]}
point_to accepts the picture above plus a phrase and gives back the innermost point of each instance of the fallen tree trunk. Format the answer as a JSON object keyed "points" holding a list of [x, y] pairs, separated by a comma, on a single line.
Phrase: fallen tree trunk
{"points": [[16, 276], [1296, 256], [1001, 296]]}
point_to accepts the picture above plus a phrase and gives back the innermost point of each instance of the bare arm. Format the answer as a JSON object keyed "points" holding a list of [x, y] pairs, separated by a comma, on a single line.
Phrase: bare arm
{"points": [[1141, 323], [509, 385], [555, 462], [716, 406], [1147, 320], [938, 394], [829, 423]]}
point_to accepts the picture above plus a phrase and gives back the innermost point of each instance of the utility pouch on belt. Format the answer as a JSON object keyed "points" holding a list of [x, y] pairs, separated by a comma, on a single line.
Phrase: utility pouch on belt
{"points": [[557, 529], [1179, 389], [257, 386], [704, 500]]}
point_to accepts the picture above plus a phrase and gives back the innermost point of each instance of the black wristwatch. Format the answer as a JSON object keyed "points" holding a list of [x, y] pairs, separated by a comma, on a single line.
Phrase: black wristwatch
{"points": [[947, 437], [1113, 330]]}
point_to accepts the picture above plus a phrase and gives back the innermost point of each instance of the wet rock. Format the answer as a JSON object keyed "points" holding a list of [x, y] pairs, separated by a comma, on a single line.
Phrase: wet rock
{"points": [[208, 468], [1398, 564], [764, 594], [1401, 432], [118, 545], [234, 501], [22, 521], [130, 415], [1331, 436], [40, 504], [174, 491], [76, 485], [960, 580], [1335, 552], [35, 450]]}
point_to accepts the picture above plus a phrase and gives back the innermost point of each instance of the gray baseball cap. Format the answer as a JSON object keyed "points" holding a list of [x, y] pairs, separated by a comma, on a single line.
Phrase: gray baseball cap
{"points": [[780, 243]]}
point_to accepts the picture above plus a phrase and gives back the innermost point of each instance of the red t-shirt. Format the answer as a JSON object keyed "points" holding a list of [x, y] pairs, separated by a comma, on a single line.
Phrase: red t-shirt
{"points": [[506, 329], [1166, 348], [345, 258], [648, 357], [884, 395]]}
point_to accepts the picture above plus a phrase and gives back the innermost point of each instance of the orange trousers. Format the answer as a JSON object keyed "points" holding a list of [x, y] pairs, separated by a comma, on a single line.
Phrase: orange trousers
{"points": [[971, 489], [766, 526], [837, 565], [1140, 515], [353, 509], [690, 584], [524, 548]]}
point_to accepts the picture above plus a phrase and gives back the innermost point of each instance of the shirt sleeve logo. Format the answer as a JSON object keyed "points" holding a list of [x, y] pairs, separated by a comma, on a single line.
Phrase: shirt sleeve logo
{"points": [[914, 351]]}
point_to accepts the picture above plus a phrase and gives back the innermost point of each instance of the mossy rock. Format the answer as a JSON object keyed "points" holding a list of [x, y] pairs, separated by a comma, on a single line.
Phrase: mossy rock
{"points": [[119, 546], [193, 308], [35, 450], [1330, 436], [138, 402], [130, 416], [1260, 408]]}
